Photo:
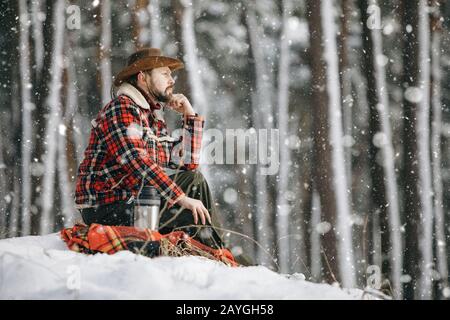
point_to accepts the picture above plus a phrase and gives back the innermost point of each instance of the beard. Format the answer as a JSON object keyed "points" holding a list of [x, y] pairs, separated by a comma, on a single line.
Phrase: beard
{"points": [[163, 96]]}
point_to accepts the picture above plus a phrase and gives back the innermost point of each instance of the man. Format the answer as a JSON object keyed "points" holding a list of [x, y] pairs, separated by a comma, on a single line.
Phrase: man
{"points": [[129, 147]]}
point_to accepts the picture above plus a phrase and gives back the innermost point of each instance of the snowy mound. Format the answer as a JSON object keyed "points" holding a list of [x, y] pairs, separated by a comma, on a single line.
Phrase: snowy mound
{"points": [[41, 267]]}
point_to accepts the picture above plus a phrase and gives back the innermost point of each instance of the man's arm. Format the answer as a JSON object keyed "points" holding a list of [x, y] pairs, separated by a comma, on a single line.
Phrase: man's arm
{"points": [[185, 154]]}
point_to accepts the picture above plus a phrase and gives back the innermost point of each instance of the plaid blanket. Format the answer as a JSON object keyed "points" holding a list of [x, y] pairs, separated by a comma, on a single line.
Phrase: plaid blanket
{"points": [[111, 239]]}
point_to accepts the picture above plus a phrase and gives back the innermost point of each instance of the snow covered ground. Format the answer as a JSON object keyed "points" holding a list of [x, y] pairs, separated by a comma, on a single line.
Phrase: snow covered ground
{"points": [[41, 267]]}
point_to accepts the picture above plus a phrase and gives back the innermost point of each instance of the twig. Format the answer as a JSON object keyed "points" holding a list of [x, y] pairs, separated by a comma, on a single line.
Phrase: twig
{"points": [[328, 265], [298, 258]]}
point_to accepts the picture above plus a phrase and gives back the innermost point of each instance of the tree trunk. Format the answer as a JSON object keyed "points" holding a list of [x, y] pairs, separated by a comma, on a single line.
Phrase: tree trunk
{"points": [[155, 20], [105, 51], [54, 108], [26, 108], [182, 84], [436, 127], [384, 192], [15, 187], [9, 148], [38, 36], [191, 59], [283, 206], [4, 190], [346, 89], [321, 158], [315, 239], [329, 172], [261, 106], [72, 107], [66, 165], [423, 144], [245, 218], [140, 13], [411, 197], [41, 86], [361, 169], [376, 171]]}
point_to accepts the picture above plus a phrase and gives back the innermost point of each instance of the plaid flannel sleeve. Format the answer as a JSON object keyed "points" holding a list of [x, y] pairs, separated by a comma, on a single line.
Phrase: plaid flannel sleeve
{"points": [[187, 150], [123, 133]]}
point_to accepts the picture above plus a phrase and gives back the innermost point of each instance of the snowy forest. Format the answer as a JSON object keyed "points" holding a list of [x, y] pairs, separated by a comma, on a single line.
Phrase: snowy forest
{"points": [[357, 92]]}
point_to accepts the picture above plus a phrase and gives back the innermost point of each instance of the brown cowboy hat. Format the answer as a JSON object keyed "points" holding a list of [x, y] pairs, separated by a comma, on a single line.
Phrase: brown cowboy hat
{"points": [[146, 59]]}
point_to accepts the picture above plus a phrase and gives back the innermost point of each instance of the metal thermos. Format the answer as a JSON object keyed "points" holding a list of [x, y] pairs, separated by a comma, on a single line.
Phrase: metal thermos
{"points": [[146, 209]]}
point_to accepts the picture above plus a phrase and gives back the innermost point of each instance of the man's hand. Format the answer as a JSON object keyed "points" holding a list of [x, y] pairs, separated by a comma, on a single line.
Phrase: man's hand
{"points": [[197, 208], [181, 104]]}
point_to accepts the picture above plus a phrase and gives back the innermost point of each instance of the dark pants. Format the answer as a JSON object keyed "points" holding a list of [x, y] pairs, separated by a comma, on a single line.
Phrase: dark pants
{"points": [[176, 218]]}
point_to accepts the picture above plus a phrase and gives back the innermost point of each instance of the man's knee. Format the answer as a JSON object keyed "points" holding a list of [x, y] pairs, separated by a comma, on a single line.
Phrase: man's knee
{"points": [[199, 178], [195, 176]]}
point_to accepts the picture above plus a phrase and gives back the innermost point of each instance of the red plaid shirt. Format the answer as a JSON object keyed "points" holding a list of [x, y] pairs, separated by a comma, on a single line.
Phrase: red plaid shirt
{"points": [[128, 148]]}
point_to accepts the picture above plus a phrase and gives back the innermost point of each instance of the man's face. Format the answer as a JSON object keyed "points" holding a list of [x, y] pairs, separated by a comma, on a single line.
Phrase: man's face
{"points": [[159, 83]]}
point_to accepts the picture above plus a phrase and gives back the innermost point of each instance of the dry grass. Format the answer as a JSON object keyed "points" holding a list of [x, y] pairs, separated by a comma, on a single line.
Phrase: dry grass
{"points": [[185, 248]]}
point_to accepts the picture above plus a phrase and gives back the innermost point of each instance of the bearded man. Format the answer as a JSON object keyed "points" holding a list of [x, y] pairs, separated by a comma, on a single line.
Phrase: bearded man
{"points": [[130, 147]]}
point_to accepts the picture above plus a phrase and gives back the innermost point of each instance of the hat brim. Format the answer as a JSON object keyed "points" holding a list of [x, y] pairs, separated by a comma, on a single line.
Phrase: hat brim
{"points": [[147, 63]]}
